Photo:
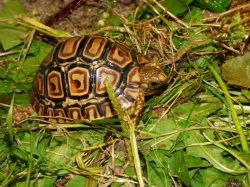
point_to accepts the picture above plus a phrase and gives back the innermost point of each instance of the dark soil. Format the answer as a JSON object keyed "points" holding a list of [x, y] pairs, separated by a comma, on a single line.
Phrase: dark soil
{"points": [[85, 17]]}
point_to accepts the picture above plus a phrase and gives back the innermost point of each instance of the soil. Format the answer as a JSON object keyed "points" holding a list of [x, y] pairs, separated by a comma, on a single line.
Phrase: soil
{"points": [[84, 17]]}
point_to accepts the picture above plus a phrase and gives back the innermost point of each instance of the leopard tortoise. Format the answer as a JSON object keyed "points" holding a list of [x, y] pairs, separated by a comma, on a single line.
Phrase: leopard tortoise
{"points": [[70, 81]]}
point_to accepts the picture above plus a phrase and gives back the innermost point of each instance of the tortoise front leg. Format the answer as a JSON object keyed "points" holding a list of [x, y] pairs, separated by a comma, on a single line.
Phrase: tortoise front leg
{"points": [[135, 110]]}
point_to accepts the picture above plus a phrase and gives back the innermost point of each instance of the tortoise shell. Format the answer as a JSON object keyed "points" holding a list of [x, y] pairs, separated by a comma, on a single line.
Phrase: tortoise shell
{"points": [[70, 81]]}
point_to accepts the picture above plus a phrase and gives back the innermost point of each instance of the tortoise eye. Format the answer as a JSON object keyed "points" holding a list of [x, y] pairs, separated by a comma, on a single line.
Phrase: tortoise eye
{"points": [[154, 84]]}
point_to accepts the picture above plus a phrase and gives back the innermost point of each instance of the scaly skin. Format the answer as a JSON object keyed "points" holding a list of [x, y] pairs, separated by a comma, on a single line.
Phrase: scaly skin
{"points": [[136, 108], [152, 78]]}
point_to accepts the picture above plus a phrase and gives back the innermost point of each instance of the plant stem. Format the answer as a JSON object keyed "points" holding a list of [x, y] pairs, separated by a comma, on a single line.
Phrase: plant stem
{"points": [[236, 121], [128, 127]]}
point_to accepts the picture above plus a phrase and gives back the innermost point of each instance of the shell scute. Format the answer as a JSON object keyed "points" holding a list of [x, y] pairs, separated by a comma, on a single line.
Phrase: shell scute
{"points": [[94, 47], [69, 48], [78, 81], [101, 74], [133, 76], [55, 85], [125, 103], [39, 84], [119, 56], [107, 110], [75, 112], [131, 93], [49, 59], [91, 112], [40, 109], [60, 112]]}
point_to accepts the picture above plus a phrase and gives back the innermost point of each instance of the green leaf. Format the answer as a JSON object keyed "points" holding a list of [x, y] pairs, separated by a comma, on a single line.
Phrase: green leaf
{"points": [[40, 144], [20, 154], [215, 5], [194, 162], [175, 164], [78, 180], [184, 116], [158, 176], [23, 74], [178, 7], [62, 148], [213, 154], [6, 87], [246, 93], [196, 35], [211, 177], [219, 5], [45, 181], [11, 8], [20, 100], [114, 20], [164, 126], [194, 16], [25, 87], [178, 167], [10, 33], [236, 71]]}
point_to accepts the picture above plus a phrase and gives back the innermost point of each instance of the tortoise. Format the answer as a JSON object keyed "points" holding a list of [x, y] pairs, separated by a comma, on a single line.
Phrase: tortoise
{"points": [[70, 81]]}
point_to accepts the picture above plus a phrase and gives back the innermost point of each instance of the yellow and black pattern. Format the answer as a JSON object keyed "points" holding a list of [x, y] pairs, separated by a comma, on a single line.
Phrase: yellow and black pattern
{"points": [[71, 80]]}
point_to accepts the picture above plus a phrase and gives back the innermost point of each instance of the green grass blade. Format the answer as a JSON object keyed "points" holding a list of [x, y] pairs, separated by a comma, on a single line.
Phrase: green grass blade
{"points": [[10, 118]]}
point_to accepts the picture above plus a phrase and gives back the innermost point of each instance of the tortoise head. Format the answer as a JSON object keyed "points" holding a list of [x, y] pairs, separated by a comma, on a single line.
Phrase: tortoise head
{"points": [[151, 75]]}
